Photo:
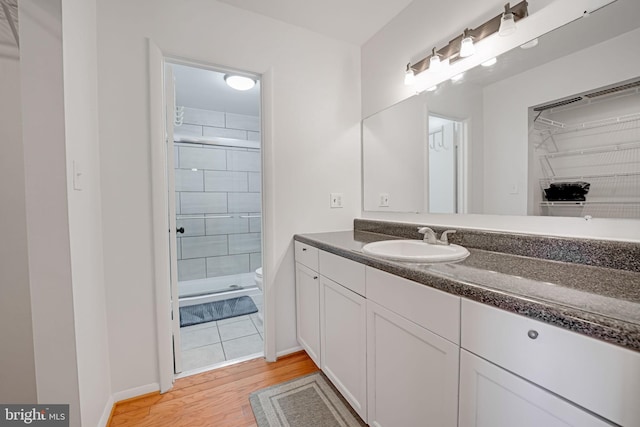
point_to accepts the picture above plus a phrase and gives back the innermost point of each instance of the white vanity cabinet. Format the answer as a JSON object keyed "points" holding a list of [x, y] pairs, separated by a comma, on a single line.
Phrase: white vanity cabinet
{"points": [[308, 300], [591, 374], [493, 397], [343, 320], [331, 320], [343, 328], [412, 371]]}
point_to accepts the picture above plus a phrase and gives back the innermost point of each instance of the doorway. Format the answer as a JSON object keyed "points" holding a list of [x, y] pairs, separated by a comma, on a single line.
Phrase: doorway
{"points": [[446, 166], [215, 207]]}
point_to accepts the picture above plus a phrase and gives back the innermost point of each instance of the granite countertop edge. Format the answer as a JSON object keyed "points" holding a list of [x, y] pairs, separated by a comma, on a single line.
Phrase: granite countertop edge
{"points": [[613, 331]]}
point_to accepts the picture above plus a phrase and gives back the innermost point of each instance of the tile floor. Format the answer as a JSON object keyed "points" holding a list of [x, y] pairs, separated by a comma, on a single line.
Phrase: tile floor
{"points": [[215, 342]]}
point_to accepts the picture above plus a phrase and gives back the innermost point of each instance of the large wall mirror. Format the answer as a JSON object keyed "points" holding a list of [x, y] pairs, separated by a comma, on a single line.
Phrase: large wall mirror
{"points": [[553, 129]]}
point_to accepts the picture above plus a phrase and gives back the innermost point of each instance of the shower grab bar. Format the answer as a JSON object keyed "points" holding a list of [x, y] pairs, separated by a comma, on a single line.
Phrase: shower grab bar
{"points": [[250, 216]]}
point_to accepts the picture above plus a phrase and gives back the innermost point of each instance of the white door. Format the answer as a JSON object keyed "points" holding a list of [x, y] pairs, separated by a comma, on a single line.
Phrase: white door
{"points": [[171, 185], [343, 342], [412, 373], [493, 397], [308, 311]]}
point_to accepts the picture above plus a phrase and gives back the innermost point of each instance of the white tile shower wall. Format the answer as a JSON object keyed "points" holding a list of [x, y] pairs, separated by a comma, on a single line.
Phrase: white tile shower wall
{"points": [[224, 183], [197, 122]]}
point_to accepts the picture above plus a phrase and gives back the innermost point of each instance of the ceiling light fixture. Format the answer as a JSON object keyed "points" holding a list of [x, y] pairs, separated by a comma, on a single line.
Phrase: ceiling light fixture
{"points": [[464, 45], [409, 76], [490, 62], [239, 82], [507, 22]]}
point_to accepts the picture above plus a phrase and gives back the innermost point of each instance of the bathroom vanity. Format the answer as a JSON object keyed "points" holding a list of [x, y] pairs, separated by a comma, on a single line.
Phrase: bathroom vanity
{"points": [[512, 335]]}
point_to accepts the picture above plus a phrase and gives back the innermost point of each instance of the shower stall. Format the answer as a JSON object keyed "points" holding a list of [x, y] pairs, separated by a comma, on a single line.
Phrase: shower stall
{"points": [[218, 217]]}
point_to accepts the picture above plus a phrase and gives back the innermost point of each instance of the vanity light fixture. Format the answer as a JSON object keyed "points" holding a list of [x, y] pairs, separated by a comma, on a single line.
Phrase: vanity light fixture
{"points": [[507, 22], [239, 82], [464, 45], [434, 62], [490, 62], [409, 76]]}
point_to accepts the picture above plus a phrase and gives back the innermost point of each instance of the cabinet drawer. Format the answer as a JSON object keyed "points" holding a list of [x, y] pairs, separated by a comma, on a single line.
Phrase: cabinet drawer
{"points": [[349, 274], [430, 308], [306, 254], [598, 376]]}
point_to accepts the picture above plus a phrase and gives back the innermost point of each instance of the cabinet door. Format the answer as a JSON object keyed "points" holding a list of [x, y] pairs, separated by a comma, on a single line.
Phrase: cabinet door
{"points": [[412, 373], [343, 317], [493, 397], [308, 311]]}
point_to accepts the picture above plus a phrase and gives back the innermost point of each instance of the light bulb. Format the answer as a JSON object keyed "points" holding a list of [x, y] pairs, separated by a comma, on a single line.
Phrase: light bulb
{"points": [[507, 22], [466, 47], [507, 25], [434, 62], [490, 62], [409, 76], [530, 44], [432, 88]]}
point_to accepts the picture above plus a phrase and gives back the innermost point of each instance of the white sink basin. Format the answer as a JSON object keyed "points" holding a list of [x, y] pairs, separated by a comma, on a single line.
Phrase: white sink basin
{"points": [[415, 251]]}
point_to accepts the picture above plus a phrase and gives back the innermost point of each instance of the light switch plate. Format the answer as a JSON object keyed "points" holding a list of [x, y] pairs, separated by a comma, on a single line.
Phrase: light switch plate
{"points": [[336, 200], [384, 200]]}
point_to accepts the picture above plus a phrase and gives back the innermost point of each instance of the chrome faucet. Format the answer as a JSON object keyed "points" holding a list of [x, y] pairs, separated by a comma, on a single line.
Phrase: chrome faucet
{"points": [[430, 236]]}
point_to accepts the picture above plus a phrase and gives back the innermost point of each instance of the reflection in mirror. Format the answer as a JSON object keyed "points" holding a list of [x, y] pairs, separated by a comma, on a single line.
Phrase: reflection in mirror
{"points": [[586, 154], [497, 165]]}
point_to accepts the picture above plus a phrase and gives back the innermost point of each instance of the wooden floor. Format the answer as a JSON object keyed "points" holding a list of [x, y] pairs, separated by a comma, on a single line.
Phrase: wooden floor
{"points": [[218, 398]]}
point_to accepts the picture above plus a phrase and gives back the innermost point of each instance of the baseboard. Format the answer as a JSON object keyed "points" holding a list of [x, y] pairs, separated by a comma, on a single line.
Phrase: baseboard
{"points": [[135, 392], [106, 414], [287, 351]]}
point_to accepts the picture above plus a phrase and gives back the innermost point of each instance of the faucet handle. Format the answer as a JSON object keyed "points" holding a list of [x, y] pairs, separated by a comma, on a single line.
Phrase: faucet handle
{"points": [[444, 236]]}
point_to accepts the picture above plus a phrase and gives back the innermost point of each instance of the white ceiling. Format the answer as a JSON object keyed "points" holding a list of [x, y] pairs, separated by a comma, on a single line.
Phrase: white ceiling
{"points": [[352, 21]]}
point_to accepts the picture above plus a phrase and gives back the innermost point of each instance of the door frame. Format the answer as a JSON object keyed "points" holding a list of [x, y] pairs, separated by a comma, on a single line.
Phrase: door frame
{"points": [[160, 205]]}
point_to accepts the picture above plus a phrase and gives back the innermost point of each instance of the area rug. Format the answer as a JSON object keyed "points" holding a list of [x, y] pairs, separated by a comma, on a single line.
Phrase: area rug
{"points": [[309, 401], [217, 310]]}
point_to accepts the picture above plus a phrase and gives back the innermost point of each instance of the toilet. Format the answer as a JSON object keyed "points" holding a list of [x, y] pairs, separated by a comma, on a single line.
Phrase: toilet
{"points": [[258, 279]]}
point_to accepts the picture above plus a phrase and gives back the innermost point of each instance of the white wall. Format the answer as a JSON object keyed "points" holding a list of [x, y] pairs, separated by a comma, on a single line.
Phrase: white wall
{"points": [[506, 123], [64, 242], [47, 215], [407, 37], [313, 148], [85, 214], [394, 157], [17, 366]]}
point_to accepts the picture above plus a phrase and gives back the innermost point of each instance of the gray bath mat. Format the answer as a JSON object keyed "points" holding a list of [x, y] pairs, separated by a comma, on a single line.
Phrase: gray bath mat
{"points": [[304, 402], [217, 310]]}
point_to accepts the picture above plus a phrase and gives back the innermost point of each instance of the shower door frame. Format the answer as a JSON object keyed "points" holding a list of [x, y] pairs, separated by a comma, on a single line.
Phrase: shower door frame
{"points": [[160, 144]]}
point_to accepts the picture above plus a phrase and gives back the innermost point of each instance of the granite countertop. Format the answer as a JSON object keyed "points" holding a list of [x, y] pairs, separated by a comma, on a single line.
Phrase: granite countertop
{"points": [[603, 303]]}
